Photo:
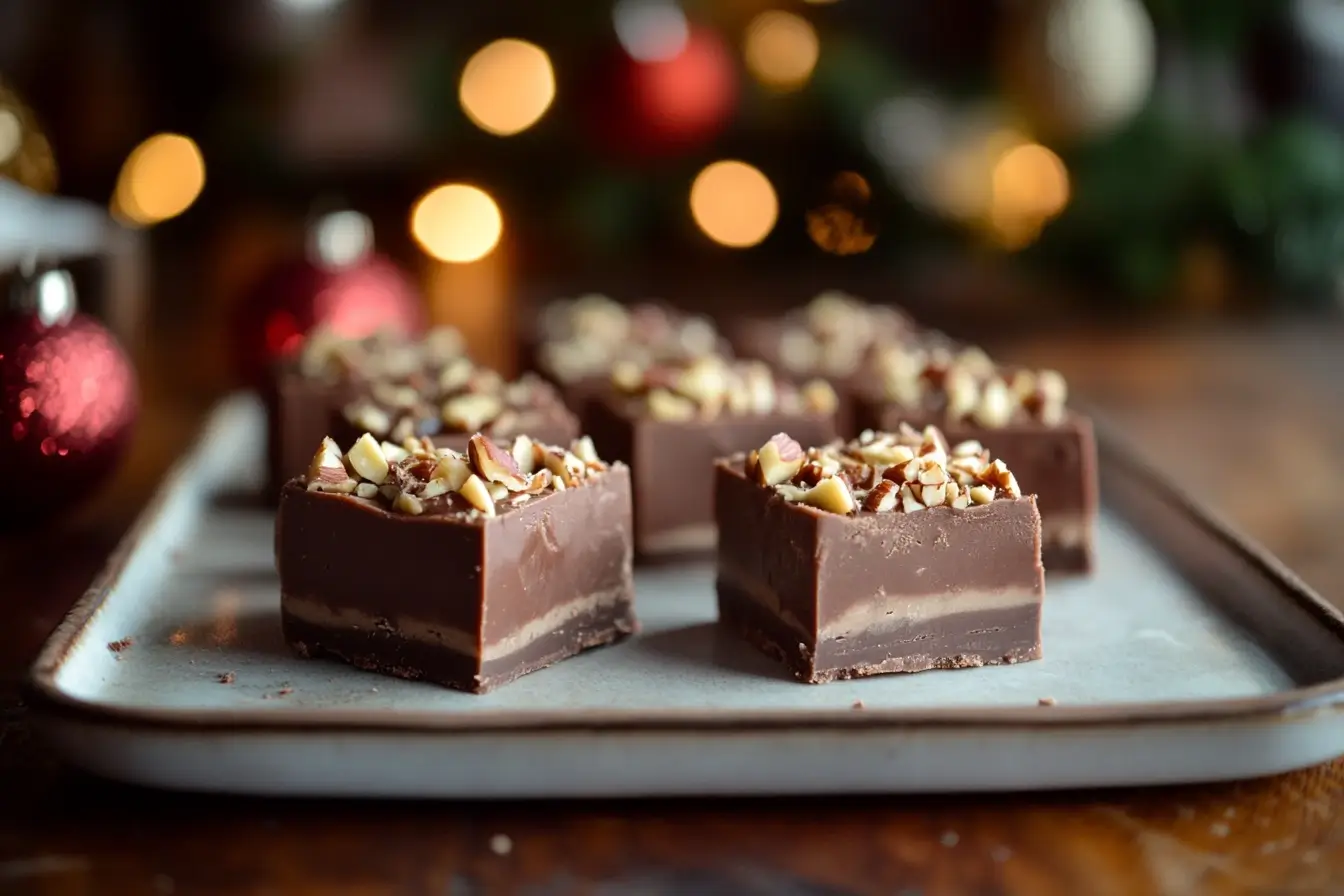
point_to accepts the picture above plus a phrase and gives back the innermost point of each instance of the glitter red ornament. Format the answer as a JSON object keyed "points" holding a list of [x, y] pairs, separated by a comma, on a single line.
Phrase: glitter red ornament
{"points": [[341, 284], [68, 400]]}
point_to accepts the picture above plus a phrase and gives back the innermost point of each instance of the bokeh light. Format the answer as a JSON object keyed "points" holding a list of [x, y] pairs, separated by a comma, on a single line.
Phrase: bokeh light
{"points": [[341, 238], [781, 49], [1029, 186], [162, 177], [841, 225], [11, 135], [651, 30], [507, 86], [457, 222], [734, 204]]}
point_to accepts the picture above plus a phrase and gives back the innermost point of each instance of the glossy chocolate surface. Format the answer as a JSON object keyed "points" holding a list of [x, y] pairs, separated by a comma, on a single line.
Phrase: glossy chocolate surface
{"points": [[461, 599], [836, 596]]}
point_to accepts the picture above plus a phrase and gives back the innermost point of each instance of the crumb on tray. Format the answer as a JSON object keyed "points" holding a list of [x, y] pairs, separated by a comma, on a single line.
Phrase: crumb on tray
{"points": [[1046, 701], [120, 645], [225, 678]]}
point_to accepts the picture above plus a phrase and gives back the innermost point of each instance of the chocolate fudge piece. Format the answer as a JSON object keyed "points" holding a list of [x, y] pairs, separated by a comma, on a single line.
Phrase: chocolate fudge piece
{"points": [[1022, 413], [577, 341], [671, 422], [467, 570], [830, 337], [886, 554], [328, 372]]}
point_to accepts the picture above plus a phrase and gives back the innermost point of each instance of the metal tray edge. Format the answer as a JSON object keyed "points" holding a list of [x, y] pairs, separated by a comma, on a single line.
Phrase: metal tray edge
{"points": [[43, 695]]}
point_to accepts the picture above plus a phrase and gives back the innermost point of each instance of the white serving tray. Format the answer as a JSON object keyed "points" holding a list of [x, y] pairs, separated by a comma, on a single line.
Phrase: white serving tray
{"points": [[1190, 656]]}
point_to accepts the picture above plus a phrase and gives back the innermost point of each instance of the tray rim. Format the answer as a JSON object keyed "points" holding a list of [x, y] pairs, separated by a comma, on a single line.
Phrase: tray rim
{"points": [[42, 693]]}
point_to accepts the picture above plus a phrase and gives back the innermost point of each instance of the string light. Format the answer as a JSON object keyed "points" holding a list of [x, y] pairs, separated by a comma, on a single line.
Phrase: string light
{"points": [[781, 49], [507, 86], [734, 204], [161, 179], [457, 223], [651, 30], [1029, 186]]}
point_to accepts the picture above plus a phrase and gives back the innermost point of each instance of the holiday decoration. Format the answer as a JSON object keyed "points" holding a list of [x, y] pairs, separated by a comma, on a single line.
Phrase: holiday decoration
{"points": [[660, 107], [1078, 68], [68, 400], [340, 283], [25, 154]]}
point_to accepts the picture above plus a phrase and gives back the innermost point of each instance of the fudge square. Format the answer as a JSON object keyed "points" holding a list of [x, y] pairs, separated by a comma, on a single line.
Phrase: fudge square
{"points": [[575, 342], [467, 570], [671, 422], [328, 372], [1022, 413], [889, 553]]}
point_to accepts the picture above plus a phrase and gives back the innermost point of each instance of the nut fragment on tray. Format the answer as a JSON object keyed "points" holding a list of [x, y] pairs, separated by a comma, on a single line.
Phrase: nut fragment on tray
{"points": [[889, 553], [468, 569], [576, 341], [1022, 413], [670, 422]]}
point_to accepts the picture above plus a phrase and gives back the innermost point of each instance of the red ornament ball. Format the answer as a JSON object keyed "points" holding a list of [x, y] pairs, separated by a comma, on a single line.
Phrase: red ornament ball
{"points": [[662, 107], [68, 406], [353, 300]]}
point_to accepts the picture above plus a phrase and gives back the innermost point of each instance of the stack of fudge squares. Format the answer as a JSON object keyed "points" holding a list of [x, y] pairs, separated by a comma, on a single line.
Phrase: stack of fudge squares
{"points": [[879, 497]]}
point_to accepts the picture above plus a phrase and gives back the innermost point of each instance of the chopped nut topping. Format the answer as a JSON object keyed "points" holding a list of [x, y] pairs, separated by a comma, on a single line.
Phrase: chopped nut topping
{"points": [[881, 472], [711, 385], [494, 464], [418, 478], [367, 459], [833, 333], [386, 353], [593, 335], [778, 460], [968, 385]]}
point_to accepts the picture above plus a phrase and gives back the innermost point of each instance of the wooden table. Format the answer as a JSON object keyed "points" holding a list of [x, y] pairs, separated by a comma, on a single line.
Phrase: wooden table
{"points": [[1222, 408]]}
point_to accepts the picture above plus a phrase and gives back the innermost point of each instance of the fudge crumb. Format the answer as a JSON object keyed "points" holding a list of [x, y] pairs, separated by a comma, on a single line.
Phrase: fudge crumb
{"points": [[501, 844], [284, 692], [121, 645], [225, 678], [1046, 701], [858, 704], [1218, 829], [949, 839]]}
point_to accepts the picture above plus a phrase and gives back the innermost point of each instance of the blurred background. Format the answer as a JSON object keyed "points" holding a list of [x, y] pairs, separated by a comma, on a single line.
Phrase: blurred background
{"points": [[1140, 155], [1003, 167]]}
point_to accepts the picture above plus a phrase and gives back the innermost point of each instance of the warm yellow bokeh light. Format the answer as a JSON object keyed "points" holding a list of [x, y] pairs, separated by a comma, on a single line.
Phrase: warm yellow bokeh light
{"points": [[507, 86], [1029, 186], [1031, 179], [734, 204], [781, 49], [457, 222], [161, 179]]}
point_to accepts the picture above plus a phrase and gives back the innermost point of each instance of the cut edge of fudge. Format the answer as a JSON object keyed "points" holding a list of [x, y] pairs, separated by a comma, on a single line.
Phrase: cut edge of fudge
{"points": [[890, 553], [540, 534], [671, 421]]}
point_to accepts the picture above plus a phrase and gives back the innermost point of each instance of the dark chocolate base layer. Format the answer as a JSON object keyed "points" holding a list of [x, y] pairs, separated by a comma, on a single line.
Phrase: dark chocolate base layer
{"points": [[388, 653], [1066, 559], [961, 641]]}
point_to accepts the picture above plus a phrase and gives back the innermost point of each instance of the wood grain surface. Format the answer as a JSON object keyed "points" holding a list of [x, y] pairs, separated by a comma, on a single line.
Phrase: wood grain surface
{"points": [[1252, 417]]}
